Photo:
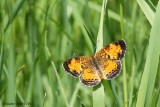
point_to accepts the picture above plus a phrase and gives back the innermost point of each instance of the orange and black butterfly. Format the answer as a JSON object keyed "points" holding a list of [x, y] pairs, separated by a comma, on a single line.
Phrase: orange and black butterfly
{"points": [[105, 64]]}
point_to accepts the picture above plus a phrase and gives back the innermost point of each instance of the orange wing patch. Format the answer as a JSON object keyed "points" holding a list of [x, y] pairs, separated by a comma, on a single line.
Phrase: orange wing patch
{"points": [[89, 76], [105, 64], [114, 50], [73, 66], [82, 67], [110, 68]]}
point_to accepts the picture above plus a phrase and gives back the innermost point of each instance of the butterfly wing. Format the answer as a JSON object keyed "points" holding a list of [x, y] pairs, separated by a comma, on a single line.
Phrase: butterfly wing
{"points": [[115, 50], [73, 66], [83, 68], [89, 76], [109, 59], [110, 68]]}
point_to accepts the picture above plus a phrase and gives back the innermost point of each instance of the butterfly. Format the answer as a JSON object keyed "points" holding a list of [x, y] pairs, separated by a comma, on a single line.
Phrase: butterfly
{"points": [[105, 64]]}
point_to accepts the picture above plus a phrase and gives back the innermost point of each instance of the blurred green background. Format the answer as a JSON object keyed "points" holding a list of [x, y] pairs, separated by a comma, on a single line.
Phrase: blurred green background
{"points": [[36, 36]]}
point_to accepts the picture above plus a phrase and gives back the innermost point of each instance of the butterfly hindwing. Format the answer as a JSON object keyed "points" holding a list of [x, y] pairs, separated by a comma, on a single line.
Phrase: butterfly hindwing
{"points": [[110, 68], [89, 76]]}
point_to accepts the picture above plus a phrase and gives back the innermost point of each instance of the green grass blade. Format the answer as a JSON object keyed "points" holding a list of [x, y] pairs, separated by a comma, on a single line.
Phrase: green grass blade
{"points": [[16, 9], [11, 72], [80, 24], [125, 84], [11, 92], [132, 82], [111, 14], [73, 99], [151, 5], [90, 36], [98, 91], [100, 32], [98, 96], [118, 101], [1, 54], [154, 98], [149, 13], [158, 103], [151, 65], [124, 67], [56, 73]]}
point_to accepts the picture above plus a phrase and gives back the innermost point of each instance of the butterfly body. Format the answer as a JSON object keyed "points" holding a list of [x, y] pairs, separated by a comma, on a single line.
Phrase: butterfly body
{"points": [[105, 64]]}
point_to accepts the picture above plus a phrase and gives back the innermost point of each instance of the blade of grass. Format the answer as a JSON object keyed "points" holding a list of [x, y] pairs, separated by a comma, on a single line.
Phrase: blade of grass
{"points": [[1, 54], [151, 65], [98, 91], [56, 73], [1, 44], [132, 83], [30, 88], [16, 9], [20, 96], [11, 92], [44, 100], [125, 84], [73, 99], [118, 101], [158, 103], [100, 32], [90, 36], [149, 13], [80, 22], [152, 75], [11, 73], [151, 5], [111, 13], [124, 67], [155, 96]]}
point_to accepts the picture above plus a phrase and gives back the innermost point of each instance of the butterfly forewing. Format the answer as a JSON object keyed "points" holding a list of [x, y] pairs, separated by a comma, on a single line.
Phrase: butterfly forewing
{"points": [[73, 66], [115, 50]]}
